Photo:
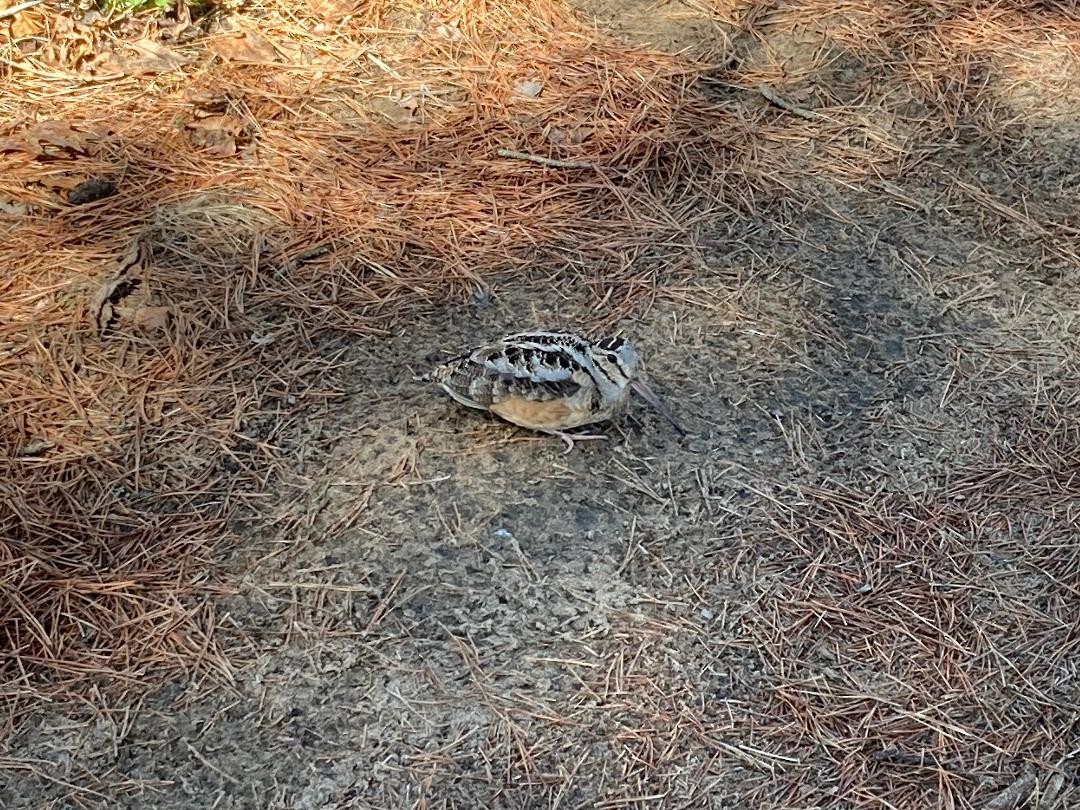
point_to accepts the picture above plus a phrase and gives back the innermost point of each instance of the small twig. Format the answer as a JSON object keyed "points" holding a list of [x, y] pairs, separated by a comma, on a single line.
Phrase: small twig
{"points": [[383, 607], [300, 258], [1016, 793], [544, 161], [381, 65], [784, 104], [208, 764], [923, 760], [1053, 789], [10, 12]]}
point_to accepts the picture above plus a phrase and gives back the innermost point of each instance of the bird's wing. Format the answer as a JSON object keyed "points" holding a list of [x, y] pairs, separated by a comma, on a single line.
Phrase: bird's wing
{"points": [[510, 369]]}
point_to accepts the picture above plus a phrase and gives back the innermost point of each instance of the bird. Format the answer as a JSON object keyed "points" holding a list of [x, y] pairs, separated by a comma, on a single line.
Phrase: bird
{"points": [[549, 382]]}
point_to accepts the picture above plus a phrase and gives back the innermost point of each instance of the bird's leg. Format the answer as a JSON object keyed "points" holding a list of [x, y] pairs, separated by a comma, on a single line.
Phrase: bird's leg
{"points": [[570, 438]]}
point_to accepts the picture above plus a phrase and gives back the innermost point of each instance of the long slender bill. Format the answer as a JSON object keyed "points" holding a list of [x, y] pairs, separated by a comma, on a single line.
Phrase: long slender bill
{"points": [[647, 394]]}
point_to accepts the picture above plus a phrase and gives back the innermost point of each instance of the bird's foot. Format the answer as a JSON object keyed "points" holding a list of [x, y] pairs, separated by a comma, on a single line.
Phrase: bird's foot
{"points": [[571, 438]]}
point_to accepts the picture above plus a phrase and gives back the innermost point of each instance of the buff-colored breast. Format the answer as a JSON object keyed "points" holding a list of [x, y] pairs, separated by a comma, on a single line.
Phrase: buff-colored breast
{"points": [[555, 414]]}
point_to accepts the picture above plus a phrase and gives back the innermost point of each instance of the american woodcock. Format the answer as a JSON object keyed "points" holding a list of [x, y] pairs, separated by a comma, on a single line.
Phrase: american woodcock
{"points": [[549, 381]]}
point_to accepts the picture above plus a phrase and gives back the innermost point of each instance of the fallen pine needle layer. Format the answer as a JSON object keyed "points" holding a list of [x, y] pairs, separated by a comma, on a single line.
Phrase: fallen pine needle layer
{"points": [[199, 218], [912, 641], [202, 216]]}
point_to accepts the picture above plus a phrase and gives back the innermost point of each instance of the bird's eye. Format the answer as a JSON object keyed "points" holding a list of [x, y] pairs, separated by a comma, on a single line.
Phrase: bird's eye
{"points": [[614, 358]]}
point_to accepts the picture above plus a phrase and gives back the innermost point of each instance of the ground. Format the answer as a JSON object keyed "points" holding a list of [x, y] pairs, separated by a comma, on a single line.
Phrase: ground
{"points": [[852, 584]]}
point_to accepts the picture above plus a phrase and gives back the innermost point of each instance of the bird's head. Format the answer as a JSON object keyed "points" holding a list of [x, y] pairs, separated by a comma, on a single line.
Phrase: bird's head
{"points": [[618, 359]]}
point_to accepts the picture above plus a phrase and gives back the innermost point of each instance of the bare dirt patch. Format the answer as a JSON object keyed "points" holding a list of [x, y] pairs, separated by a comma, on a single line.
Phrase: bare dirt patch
{"points": [[848, 254]]}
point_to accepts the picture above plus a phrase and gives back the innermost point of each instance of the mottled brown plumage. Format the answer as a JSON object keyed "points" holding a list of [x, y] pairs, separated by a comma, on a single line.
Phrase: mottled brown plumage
{"points": [[547, 381]]}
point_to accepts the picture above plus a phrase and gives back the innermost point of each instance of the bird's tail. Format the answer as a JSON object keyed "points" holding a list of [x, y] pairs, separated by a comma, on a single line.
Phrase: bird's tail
{"points": [[432, 375]]}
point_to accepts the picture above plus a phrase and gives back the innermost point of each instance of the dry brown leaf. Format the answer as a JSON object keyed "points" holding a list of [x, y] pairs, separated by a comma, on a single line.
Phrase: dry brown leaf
{"points": [[226, 123], [57, 133], [332, 10], [137, 257], [15, 144], [77, 52], [153, 319], [206, 103], [27, 23], [36, 139], [215, 141], [392, 109], [569, 136], [215, 133], [245, 48], [71, 43], [157, 58], [150, 57], [59, 182], [103, 306]]}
